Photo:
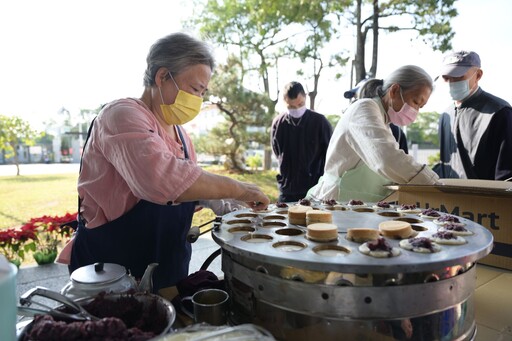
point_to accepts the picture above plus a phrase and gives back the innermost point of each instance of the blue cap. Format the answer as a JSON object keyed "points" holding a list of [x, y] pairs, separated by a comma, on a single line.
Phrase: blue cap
{"points": [[456, 64]]}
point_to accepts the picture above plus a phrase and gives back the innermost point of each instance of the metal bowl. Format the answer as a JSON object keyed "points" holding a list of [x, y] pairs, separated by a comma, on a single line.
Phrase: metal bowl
{"points": [[149, 301]]}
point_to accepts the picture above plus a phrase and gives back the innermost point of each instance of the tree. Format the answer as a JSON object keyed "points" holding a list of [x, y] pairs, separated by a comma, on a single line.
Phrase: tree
{"points": [[423, 131], [15, 132], [319, 23], [262, 32], [429, 18], [245, 112]]}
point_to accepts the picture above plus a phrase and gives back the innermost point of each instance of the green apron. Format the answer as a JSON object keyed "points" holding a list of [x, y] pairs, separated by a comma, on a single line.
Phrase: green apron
{"points": [[360, 183]]}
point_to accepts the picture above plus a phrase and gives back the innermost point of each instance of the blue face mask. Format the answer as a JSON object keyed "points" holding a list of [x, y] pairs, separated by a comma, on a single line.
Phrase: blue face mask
{"points": [[460, 90]]}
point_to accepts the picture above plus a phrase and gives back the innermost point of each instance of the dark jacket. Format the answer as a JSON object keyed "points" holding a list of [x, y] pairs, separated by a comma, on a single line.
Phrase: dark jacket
{"points": [[300, 146], [476, 139]]}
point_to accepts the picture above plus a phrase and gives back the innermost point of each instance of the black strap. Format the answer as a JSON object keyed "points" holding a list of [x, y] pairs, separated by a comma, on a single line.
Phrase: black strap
{"points": [[80, 170], [185, 150]]}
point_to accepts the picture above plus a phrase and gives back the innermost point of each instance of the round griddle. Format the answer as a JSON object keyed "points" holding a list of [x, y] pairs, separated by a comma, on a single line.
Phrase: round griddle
{"points": [[269, 237]]}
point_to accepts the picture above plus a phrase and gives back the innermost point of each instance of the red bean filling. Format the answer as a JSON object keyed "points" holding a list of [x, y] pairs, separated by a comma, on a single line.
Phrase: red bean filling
{"points": [[121, 319], [444, 235], [453, 227], [430, 213], [45, 328], [421, 242], [407, 207], [330, 202], [304, 202], [383, 204], [281, 204], [449, 218], [379, 245], [355, 202]]}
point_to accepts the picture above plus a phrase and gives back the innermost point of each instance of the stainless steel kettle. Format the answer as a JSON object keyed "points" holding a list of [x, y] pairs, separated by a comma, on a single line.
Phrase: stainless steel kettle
{"points": [[92, 279]]}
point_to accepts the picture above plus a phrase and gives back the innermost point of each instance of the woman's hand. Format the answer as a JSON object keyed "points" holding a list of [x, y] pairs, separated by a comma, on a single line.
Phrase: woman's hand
{"points": [[211, 186], [222, 206], [253, 196]]}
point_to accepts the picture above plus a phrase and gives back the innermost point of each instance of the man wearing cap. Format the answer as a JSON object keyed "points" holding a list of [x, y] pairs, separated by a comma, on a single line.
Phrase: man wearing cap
{"points": [[475, 132]]}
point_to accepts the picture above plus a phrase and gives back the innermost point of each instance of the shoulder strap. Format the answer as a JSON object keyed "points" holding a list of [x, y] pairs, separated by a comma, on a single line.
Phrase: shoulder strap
{"points": [[183, 143], [80, 170]]}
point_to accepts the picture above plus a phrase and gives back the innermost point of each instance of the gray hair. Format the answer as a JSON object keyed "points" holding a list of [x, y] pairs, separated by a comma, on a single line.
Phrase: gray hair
{"points": [[176, 52], [409, 77]]}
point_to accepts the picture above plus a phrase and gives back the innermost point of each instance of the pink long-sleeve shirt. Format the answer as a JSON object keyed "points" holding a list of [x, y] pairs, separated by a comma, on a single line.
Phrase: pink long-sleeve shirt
{"points": [[129, 157]]}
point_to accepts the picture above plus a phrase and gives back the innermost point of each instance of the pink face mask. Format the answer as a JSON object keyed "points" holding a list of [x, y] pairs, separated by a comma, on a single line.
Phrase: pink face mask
{"points": [[405, 116]]}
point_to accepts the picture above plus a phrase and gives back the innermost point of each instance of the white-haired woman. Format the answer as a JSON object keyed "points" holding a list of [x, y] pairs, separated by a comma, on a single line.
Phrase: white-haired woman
{"points": [[363, 156]]}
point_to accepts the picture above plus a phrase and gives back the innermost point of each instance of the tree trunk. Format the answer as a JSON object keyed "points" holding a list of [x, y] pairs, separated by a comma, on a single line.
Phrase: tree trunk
{"points": [[375, 30], [15, 158], [267, 159], [235, 162], [360, 41]]}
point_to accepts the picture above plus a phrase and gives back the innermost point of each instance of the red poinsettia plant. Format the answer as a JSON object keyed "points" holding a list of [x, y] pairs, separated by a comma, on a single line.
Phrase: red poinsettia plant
{"points": [[40, 235], [15, 243]]}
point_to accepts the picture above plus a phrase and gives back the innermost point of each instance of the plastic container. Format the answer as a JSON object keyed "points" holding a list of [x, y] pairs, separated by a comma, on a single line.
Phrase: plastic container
{"points": [[8, 305]]}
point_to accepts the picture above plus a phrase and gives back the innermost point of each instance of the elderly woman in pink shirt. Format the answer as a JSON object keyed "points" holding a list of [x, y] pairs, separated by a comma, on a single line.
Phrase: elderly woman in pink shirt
{"points": [[139, 182]]}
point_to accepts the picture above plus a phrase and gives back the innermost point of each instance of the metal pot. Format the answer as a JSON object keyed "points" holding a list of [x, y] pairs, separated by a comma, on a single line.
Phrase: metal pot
{"points": [[300, 289], [92, 279]]}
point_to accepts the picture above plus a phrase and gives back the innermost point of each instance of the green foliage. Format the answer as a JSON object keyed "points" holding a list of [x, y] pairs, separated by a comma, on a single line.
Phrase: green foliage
{"points": [[15, 131], [424, 131], [262, 32], [333, 120], [433, 159], [44, 138], [254, 161], [246, 112]]}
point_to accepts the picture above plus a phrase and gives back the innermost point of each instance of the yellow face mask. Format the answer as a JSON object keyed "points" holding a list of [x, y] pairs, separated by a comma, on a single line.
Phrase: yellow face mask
{"points": [[184, 109]]}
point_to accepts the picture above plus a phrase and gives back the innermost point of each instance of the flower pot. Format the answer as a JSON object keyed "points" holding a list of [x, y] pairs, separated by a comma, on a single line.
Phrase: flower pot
{"points": [[45, 257], [15, 261]]}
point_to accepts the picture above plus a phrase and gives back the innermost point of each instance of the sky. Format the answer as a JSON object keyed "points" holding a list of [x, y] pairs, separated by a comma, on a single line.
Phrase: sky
{"points": [[80, 54]]}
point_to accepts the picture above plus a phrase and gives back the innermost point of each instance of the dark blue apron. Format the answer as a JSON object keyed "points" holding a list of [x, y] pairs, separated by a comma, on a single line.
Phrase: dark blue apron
{"points": [[148, 233]]}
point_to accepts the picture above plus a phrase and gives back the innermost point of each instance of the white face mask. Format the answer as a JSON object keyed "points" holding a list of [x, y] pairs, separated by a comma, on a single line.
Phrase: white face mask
{"points": [[296, 113], [460, 90]]}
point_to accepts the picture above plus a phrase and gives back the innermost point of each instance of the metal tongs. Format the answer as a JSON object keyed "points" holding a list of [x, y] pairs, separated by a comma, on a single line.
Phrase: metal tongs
{"points": [[195, 231], [78, 312]]}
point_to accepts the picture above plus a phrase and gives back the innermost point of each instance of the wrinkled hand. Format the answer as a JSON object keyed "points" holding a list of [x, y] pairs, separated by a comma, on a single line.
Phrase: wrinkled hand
{"points": [[407, 328], [253, 197]]}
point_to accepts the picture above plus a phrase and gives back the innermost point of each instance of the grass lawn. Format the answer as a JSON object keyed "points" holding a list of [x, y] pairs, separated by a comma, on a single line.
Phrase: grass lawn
{"points": [[31, 196], [26, 197]]}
